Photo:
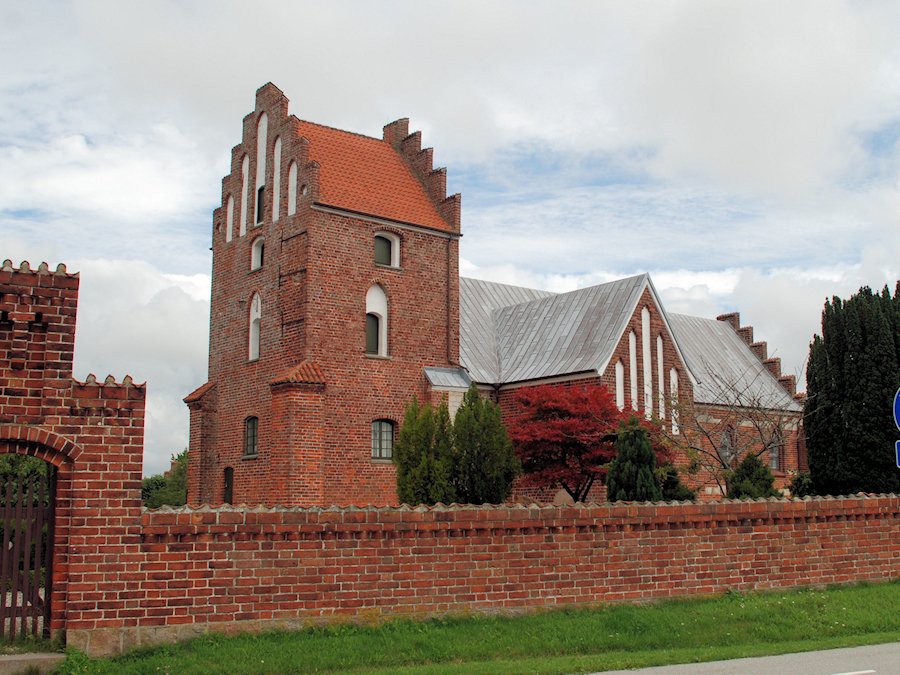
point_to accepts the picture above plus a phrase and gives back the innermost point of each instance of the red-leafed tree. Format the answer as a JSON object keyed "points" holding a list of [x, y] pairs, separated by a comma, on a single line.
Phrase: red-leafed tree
{"points": [[565, 436]]}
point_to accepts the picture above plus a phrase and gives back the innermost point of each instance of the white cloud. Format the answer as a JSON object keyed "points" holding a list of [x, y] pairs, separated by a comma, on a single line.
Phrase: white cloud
{"points": [[134, 320], [747, 155]]}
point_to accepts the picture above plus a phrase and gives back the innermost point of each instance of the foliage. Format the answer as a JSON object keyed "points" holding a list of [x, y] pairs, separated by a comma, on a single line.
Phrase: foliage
{"points": [[565, 436], [170, 488], [484, 464], [632, 474], [423, 455], [851, 378], [802, 485], [673, 490], [616, 636], [751, 479], [23, 465]]}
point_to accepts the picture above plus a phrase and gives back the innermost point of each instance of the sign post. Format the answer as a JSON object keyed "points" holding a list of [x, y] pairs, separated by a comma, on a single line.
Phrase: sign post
{"points": [[897, 422]]}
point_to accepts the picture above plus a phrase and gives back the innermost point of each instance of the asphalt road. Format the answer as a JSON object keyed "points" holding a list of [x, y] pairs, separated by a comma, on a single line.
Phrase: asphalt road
{"points": [[874, 660]]}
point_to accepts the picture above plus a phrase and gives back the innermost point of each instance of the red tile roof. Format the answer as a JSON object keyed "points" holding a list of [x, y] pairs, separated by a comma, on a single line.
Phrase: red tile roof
{"points": [[367, 175], [199, 392], [306, 372]]}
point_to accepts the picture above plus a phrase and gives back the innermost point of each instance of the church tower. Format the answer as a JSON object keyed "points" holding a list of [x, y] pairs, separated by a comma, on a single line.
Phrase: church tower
{"points": [[335, 300]]}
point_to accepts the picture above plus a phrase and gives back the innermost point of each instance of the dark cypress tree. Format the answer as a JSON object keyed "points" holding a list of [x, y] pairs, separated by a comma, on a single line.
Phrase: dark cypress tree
{"points": [[751, 479], [423, 456], [672, 487], [852, 376], [484, 462], [632, 474]]}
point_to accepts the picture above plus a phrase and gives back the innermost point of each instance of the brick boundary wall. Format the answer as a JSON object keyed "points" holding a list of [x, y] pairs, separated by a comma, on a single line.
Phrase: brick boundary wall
{"points": [[237, 569]]}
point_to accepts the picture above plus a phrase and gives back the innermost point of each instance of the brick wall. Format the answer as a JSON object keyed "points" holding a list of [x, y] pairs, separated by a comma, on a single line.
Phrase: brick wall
{"points": [[315, 437], [91, 431], [250, 569]]}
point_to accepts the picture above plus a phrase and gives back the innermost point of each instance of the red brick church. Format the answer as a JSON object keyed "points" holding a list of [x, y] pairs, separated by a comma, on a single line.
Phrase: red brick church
{"points": [[336, 298]]}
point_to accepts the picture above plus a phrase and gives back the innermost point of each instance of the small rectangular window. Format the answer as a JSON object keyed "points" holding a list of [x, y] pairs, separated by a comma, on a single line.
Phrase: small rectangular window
{"points": [[371, 334], [382, 251], [251, 436], [382, 439], [260, 198], [228, 498]]}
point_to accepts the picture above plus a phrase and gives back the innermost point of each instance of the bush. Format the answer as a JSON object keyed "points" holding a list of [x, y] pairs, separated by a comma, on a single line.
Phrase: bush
{"points": [[423, 456], [750, 480], [673, 490], [484, 464], [632, 474], [802, 485]]}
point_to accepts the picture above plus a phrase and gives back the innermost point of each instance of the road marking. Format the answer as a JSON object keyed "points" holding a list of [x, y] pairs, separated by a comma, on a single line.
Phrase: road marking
{"points": [[858, 672]]}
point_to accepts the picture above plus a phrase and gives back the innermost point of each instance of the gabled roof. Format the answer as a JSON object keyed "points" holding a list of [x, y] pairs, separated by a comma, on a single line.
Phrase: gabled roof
{"points": [[513, 334], [477, 339], [727, 371], [536, 334], [366, 175]]}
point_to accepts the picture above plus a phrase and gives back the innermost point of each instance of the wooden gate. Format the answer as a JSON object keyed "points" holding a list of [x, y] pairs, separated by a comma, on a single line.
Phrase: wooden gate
{"points": [[26, 558]]}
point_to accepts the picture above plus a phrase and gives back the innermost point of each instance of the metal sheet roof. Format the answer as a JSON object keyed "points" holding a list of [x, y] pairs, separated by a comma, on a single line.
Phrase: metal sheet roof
{"points": [[446, 378], [727, 371], [511, 334], [477, 341]]}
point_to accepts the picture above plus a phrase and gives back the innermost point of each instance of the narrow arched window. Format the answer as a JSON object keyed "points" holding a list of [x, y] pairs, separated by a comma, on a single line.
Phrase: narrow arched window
{"points": [[228, 493], [387, 249], [382, 439], [261, 131], [775, 448], [292, 189], [251, 436], [276, 180], [620, 385], [255, 324], [229, 218], [256, 253], [376, 321], [245, 177], [673, 392]]}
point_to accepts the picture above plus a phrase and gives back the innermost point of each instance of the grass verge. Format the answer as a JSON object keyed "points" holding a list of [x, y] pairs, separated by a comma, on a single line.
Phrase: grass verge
{"points": [[546, 643]]}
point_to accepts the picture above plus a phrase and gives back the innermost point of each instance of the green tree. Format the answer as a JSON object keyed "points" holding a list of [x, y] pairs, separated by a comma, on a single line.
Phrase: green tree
{"points": [[423, 455], [484, 465], [169, 488], [852, 375], [673, 490], [751, 479], [802, 485], [632, 474]]}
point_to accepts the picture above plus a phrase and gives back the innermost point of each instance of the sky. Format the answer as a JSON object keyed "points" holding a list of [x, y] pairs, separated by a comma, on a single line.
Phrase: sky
{"points": [[745, 154]]}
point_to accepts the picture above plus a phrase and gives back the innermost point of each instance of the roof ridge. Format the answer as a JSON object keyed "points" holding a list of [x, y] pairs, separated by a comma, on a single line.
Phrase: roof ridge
{"points": [[343, 131]]}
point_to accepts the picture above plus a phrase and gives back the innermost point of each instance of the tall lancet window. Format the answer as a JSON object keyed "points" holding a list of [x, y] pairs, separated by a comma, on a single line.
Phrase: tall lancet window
{"points": [[245, 177], [261, 131], [276, 180], [648, 363], [255, 324], [632, 368], [292, 189], [376, 321]]}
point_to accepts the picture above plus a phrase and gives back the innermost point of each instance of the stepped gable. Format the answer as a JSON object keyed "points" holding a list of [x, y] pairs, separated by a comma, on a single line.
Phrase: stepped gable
{"points": [[368, 176]]}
